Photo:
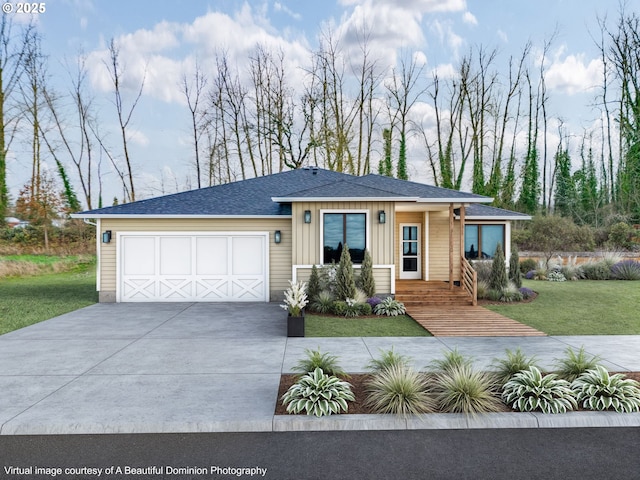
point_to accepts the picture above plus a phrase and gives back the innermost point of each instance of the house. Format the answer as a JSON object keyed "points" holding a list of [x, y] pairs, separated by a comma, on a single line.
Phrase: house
{"points": [[245, 240]]}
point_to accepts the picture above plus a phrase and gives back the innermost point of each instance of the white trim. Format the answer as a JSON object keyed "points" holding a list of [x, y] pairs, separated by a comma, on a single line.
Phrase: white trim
{"points": [[425, 261], [410, 275], [98, 255], [344, 199], [183, 217], [343, 210], [119, 246], [392, 273]]}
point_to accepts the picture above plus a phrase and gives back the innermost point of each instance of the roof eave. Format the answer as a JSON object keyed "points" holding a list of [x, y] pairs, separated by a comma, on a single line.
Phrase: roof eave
{"points": [[495, 217], [181, 216], [343, 199]]}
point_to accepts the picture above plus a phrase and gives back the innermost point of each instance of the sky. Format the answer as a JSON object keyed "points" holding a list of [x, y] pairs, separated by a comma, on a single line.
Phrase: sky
{"points": [[163, 39]]}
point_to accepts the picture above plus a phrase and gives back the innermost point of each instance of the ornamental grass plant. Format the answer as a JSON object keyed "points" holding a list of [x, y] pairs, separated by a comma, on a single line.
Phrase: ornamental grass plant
{"points": [[399, 390], [461, 389]]}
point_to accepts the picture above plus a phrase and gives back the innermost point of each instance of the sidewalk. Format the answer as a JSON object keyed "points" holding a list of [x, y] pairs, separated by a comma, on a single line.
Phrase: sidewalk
{"points": [[159, 368]]}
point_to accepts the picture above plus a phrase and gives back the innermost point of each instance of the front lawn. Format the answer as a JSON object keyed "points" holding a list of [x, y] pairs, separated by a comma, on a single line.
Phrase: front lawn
{"points": [[584, 307], [28, 300], [400, 326]]}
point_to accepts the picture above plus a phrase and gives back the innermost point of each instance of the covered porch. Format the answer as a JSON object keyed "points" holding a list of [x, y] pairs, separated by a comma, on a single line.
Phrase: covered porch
{"points": [[431, 268]]}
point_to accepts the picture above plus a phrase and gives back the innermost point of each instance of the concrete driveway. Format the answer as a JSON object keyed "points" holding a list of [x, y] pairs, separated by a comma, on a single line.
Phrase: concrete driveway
{"points": [[201, 367]]}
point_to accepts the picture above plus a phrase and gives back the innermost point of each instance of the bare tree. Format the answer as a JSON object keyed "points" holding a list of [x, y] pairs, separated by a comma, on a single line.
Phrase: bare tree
{"points": [[193, 91], [115, 71]]}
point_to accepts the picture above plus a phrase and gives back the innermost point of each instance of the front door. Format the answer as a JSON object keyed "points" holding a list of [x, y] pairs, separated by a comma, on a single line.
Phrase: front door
{"points": [[410, 251]]}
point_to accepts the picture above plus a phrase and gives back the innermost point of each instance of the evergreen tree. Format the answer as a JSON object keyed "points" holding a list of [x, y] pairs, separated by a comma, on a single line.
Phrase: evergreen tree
{"points": [[402, 160], [313, 286], [345, 282], [498, 279], [565, 194], [514, 267], [385, 167], [367, 282], [530, 192]]}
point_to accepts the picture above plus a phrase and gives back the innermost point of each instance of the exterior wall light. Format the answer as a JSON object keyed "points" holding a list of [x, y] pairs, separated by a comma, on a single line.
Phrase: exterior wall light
{"points": [[277, 236], [106, 236], [382, 217], [307, 216]]}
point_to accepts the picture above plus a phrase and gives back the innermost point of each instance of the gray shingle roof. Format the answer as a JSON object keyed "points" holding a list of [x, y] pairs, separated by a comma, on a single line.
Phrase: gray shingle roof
{"points": [[485, 211], [255, 197]]}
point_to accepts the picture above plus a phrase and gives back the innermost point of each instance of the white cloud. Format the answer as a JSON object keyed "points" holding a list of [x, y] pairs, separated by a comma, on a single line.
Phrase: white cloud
{"points": [[573, 74], [503, 36], [469, 18], [444, 71], [137, 137], [444, 31], [278, 7], [422, 6]]}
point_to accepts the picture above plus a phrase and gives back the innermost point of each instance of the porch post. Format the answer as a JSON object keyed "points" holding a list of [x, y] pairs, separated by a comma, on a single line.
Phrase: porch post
{"points": [[451, 246], [462, 220]]}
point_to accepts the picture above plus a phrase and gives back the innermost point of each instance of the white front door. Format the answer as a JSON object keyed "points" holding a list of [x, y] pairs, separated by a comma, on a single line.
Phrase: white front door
{"points": [[410, 251]]}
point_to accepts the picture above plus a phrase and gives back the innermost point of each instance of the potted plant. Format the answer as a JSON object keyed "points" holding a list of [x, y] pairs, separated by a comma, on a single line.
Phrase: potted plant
{"points": [[295, 299]]}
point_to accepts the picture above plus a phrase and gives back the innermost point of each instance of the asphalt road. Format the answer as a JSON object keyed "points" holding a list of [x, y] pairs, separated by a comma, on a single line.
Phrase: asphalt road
{"points": [[602, 453]]}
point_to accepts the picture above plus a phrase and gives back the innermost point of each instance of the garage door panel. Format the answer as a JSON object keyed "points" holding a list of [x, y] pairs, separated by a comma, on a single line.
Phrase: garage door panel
{"points": [[194, 267], [175, 255], [139, 256], [247, 257], [213, 255]]}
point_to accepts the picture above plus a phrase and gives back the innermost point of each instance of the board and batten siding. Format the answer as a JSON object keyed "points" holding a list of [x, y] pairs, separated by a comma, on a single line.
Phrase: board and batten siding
{"points": [[279, 254], [306, 236], [439, 246]]}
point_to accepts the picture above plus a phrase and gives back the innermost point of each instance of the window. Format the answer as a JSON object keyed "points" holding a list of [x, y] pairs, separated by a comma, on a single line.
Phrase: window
{"points": [[344, 228], [481, 241]]}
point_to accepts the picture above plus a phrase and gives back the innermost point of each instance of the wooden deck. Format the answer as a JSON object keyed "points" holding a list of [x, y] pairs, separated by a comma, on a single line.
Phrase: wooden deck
{"points": [[448, 312]]}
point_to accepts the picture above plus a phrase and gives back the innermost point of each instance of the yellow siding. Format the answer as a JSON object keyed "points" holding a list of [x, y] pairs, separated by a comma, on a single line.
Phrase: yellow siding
{"points": [[439, 246], [306, 236], [279, 254], [382, 277]]}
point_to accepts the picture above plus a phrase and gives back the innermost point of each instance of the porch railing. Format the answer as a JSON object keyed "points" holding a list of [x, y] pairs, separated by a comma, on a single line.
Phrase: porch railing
{"points": [[469, 280]]}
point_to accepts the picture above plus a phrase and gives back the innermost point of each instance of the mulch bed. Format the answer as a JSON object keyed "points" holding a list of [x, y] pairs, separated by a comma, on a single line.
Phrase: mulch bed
{"points": [[357, 382]]}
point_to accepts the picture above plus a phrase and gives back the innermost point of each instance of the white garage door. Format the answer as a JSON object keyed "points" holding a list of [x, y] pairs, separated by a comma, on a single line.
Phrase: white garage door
{"points": [[215, 267]]}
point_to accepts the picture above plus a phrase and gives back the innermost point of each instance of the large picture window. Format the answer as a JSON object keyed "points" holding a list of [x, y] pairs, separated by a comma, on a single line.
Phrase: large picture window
{"points": [[481, 241], [344, 228]]}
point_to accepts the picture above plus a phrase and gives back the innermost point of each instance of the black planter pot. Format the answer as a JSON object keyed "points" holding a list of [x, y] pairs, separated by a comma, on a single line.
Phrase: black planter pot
{"points": [[295, 326]]}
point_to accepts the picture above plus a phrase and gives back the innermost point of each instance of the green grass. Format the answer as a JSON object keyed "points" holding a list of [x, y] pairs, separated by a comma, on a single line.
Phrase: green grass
{"points": [[28, 300], [400, 326], [583, 307]]}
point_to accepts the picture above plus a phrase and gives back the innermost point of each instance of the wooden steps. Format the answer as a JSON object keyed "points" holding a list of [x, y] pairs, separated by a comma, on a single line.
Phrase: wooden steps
{"points": [[416, 293], [450, 312]]}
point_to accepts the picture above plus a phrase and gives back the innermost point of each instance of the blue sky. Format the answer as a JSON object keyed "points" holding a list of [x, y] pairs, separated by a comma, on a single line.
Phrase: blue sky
{"points": [[167, 37]]}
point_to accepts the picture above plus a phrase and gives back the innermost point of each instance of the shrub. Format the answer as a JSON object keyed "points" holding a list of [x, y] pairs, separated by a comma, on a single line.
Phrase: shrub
{"points": [[390, 308], [399, 390], [514, 267], [464, 390], [597, 390], [313, 286], [347, 308], [345, 283], [526, 292], [527, 265], [494, 295], [483, 289], [620, 235], [452, 360], [315, 359], [528, 391], [388, 359], [373, 301], [552, 233], [511, 294], [575, 364], [626, 270], [327, 274], [513, 363], [571, 270], [556, 276], [323, 303], [365, 308], [483, 269], [498, 279], [367, 283], [530, 275], [596, 270], [318, 394]]}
